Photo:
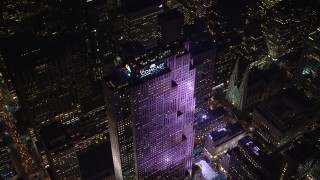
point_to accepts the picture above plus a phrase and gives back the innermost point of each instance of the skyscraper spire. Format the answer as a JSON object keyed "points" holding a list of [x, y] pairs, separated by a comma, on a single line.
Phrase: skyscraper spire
{"points": [[233, 79]]}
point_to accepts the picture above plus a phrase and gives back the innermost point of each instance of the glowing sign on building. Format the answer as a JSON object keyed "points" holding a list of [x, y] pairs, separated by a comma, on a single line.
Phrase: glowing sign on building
{"points": [[255, 149], [128, 70], [152, 70], [222, 129]]}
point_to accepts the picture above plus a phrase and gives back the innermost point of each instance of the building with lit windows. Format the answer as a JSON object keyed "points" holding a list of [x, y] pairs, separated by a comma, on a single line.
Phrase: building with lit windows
{"points": [[249, 161], [7, 170], [298, 161], [253, 46], [140, 22], [314, 172], [286, 26], [186, 7], [58, 152], [223, 139], [308, 73], [96, 12], [266, 5], [92, 127], [283, 117], [46, 78], [190, 9], [151, 112], [52, 85], [204, 56], [209, 121]]}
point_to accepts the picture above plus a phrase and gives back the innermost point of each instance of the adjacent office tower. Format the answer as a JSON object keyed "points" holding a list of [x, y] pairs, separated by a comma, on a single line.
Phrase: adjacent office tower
{"points": [[58, 152], [7, 169], [266, 5], [46, 79], [286, 25], [151, 108], [249, 161], [308, 72], [140, 21], [170, 26], [52, 84], [298, 161], [204, 57], [97, 47], [283, 117]]}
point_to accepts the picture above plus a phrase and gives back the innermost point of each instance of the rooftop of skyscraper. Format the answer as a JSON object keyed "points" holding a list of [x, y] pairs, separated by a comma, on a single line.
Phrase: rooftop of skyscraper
{"points": [[230, 130], [301, 152], [142, 8], [54, 135], [287, 109], [255, 151]]}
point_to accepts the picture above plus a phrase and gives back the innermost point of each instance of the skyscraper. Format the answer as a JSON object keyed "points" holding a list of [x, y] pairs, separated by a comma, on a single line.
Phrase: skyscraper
{"points": [[7, 170], [46, 78], [151, 110], [170, 26], [308, 73], [140, 22], [298, 161], [249, 161], [204, 57], [58, 153], [283, 117], [52, 84], [286, 25]]}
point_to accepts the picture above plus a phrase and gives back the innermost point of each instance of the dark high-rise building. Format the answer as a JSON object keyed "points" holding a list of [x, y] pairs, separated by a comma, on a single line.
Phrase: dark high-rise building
{"points": [[298, 161], [92, 126], [58, 153], [52, 85], [249, 161], [286, 25], [204, 56], [140, 21], [283, 117], [7, 169], [170, 26], [45, 79], [97, 46], [151, 107], [253, 46], [226, 25], [308, 72]]}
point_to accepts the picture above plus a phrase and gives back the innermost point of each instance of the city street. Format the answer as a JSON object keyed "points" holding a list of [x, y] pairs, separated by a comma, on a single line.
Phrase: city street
{"points": [[19, 149]]}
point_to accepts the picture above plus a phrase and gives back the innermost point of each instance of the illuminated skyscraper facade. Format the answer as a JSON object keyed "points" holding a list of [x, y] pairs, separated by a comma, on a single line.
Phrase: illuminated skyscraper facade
{"points": [[151, 111]]}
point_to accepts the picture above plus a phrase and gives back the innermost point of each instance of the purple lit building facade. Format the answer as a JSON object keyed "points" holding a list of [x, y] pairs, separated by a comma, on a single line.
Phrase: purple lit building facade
{"points": [[151, 113]]}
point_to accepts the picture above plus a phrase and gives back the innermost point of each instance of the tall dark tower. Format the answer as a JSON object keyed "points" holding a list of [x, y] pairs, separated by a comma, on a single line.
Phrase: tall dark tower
{"points": [[96, 13], [308, 72], [170, 26]]}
